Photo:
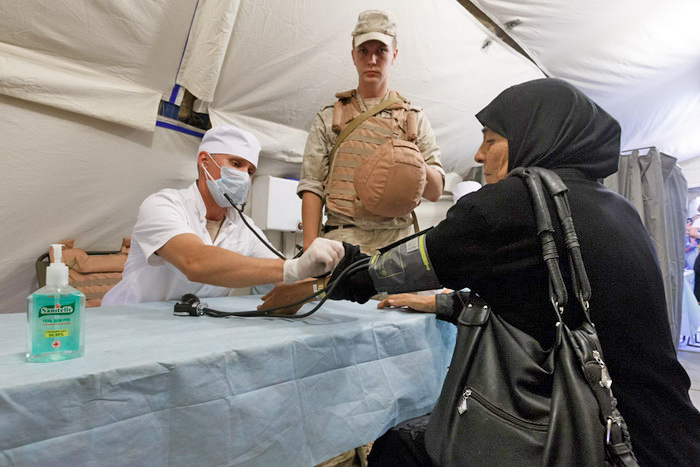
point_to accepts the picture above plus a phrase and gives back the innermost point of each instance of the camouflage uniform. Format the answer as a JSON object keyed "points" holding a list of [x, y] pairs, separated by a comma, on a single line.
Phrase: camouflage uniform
{"points": [[370, 233]]}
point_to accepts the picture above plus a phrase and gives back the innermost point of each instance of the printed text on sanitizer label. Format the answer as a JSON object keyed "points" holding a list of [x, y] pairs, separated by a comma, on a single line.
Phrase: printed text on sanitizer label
{"points": [[56, 333]]}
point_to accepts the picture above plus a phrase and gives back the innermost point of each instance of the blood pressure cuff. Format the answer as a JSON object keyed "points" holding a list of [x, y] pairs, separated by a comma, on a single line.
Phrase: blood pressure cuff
{"points": [[404, 268]]}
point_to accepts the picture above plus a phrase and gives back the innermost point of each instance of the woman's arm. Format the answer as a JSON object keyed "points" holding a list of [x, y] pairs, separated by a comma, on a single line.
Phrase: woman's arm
{"points": [[447, 306]]}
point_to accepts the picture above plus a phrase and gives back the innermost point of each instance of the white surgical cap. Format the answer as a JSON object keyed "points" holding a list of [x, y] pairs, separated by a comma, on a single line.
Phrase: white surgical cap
{"points": [[229, 139]]}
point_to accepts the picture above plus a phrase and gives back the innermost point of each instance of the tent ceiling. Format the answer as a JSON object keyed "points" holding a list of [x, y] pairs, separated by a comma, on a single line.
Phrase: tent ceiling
{"points": [[640, 60], [137, 41], [286, 59], [271, 64]]}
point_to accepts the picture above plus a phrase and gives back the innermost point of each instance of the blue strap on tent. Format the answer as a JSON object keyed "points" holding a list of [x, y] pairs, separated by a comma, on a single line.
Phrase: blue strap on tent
{"points": [[187, 131], [173, 95]]}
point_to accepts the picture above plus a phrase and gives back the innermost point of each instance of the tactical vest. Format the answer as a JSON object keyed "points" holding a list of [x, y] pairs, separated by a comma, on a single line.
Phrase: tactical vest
{"points": [[339, 189]]}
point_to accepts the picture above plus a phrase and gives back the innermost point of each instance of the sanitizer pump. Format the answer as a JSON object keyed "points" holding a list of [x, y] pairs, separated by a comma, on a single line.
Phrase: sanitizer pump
{"points": [[55, 316]]}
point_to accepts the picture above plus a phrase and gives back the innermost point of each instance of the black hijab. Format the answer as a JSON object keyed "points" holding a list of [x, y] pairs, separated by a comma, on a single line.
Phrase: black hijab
{"points": [[551, 124]]}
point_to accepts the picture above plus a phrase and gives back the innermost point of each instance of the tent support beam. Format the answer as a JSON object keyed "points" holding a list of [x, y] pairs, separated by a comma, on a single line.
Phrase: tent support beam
{"points": [[494, 28]]}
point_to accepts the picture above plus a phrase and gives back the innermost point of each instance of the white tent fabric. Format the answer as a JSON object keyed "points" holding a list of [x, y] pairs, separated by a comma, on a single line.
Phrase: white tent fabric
{"points": [[288, 59], [206, 47], [691, 169], [638, 59], [108, 60], [46, 80]]}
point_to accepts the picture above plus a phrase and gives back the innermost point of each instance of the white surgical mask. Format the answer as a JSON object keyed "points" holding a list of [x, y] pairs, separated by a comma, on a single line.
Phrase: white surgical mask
{"points": [[232, 182]]}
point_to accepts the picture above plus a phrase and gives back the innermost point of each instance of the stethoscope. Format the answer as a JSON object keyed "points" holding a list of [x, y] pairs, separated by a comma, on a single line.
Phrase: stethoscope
{"points": [[191, 305]]}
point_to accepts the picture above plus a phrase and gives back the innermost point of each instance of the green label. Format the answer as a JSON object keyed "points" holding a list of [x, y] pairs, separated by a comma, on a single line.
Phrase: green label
{"points": [[57, 309], [55, 325]]}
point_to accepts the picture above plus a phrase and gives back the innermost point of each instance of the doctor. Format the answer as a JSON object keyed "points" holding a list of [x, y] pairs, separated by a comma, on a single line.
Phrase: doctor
{"points": [[193, 241]]}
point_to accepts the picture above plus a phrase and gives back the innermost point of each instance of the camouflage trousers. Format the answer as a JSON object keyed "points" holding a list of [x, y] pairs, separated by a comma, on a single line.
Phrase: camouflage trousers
{"points": [[354, 458]]}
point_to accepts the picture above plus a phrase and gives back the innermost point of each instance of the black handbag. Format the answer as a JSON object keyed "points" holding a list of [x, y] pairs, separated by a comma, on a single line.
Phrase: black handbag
{"points": [[508, 401]]}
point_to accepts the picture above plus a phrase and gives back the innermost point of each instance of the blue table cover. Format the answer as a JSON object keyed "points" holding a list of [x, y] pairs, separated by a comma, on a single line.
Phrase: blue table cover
{"points": [[156, 389]]}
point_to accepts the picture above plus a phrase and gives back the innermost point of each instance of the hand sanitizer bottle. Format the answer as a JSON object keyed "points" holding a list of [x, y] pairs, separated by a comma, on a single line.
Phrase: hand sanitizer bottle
{"points": [[55, 317]]}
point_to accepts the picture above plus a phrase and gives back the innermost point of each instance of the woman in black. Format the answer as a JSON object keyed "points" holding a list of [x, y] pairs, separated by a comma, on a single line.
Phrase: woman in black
{"points": [[488, 243]]}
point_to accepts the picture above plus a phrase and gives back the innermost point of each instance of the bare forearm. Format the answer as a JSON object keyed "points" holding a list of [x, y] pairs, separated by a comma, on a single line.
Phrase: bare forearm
{"points": [[434, 186], [217, 266], [228, 269], [311, 205]]}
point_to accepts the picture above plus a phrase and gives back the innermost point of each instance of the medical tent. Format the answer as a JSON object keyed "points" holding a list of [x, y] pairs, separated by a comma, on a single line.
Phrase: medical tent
{"points": [[84, 86]]}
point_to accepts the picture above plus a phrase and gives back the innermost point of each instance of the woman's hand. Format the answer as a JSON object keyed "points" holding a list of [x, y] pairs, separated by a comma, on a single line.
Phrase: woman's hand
{"points": [[422, 303], [286, 293]]}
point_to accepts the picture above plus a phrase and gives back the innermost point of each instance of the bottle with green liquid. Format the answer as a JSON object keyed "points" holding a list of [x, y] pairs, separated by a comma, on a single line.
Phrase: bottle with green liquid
{"points": [[55, 317]]}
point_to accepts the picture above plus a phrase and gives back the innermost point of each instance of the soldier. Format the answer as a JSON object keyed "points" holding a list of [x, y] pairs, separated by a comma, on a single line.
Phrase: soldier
{"points": [[328, 176]]}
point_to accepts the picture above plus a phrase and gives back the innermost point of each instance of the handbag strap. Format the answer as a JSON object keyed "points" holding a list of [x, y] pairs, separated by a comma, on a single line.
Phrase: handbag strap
{"points": [[557, 190], [536, 178]]}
